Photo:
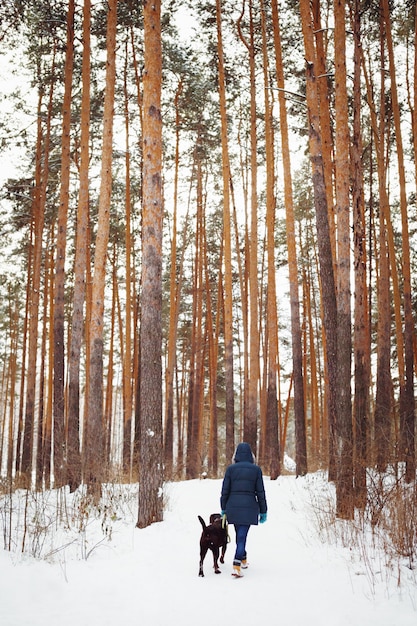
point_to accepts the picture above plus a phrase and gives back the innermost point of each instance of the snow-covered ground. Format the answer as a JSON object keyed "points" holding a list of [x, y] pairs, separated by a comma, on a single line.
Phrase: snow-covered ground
{"points": [[150, 577]]}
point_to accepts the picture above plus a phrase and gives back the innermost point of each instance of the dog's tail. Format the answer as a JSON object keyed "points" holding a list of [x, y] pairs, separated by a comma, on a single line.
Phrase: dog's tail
{"points": [[202, 522]]}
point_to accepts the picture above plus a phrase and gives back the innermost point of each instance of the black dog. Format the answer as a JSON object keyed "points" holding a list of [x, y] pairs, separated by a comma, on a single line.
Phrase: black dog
{"points": [[213, 537]]}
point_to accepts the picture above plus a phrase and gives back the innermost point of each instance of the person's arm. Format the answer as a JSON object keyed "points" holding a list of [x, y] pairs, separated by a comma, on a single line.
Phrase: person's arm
{"points": [[225, 491], [260, 493]]}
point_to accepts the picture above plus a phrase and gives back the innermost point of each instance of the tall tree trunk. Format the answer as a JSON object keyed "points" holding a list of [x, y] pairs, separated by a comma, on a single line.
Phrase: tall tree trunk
{"points": [[296, 343], [362, 352], [135, 296], [41, 414], [312, 392], [47, 429], [127, 361], [60, 454], [201, 333], [327, 280], [38, 216], [108, 421], [320, 35], [94, 450], [14, 337], [44, 447], [413, 99], [407, 401], [250, 423], [213, 352], [241, 269], [344, 486], [273, 454], [25, 333], [194, 417], [243, 264], [378, 131], [172, 347], [150, 375], [383, 403], [228, 294], [80, 264], [173, 308]]}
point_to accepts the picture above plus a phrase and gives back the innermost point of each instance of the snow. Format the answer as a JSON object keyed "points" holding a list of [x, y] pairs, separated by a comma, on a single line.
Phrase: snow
{"points": [[150, 576]]}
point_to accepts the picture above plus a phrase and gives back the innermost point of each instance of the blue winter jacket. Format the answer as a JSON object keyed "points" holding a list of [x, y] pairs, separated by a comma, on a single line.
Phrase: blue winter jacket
{"points": [[243, 492]]}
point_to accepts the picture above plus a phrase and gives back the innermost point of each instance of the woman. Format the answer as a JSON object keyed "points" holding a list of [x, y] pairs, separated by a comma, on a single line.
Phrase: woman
{"points": [[243, 500]]}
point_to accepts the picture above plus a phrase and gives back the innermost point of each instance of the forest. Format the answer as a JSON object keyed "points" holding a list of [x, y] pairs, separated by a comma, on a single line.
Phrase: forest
{"points": [[208, 236]]}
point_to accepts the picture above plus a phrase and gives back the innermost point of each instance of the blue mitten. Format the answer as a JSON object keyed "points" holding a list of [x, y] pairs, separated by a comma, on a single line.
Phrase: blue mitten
{"points": [[262, 518], [224, 519]]}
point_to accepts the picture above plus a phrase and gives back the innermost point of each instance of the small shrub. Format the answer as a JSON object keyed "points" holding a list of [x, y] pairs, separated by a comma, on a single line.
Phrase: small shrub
{"points": [[46, 523], [383, 536]]}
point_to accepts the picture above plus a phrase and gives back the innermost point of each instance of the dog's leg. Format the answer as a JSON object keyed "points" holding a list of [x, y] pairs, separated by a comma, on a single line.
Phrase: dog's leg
{"points": [[224, 546], [215, 560], [203, 552]]}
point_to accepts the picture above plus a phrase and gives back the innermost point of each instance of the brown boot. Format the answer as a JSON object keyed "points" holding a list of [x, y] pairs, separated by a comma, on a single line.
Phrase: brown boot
{"points": [[236, 570]]}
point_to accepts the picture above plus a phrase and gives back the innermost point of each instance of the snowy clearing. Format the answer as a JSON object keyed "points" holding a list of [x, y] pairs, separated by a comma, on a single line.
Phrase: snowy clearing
{"points": [[150, 576]]}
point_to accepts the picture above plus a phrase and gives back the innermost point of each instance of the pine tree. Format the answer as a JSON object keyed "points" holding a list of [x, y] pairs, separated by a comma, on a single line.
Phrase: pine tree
{"points": [[150, 371]]}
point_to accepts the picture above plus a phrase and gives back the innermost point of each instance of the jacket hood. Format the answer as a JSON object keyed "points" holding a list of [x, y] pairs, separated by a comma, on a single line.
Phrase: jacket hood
{"points": [[243, 452]]}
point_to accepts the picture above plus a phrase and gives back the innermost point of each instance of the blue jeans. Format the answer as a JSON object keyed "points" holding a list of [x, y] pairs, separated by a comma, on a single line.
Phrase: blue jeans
{"points": [[241, 535]]}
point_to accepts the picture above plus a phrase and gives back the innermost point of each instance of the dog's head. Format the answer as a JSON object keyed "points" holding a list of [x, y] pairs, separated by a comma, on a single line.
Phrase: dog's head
{"points": [[217, 521]]}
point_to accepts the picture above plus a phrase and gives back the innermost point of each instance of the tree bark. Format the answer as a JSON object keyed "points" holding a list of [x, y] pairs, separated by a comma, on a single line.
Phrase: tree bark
{"points": [[60, 453], [127, 361], [361, 343], [227, 250], [150, 397], [327, 279], [407, 400], [94, 451], [250, 422], [80, 266], [296, 343], [174, 294], [273, 453], [344, 485], [321, 43], [38, 216], [193, 468]]}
